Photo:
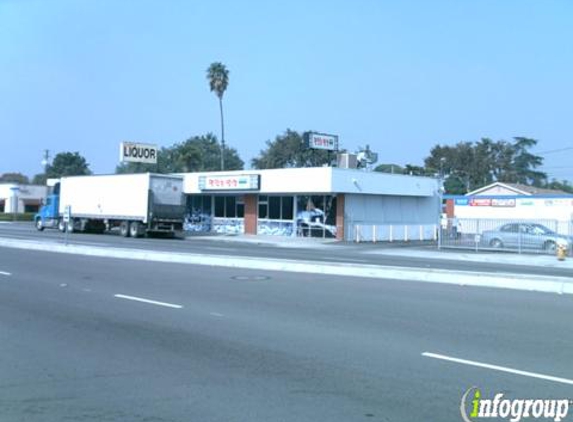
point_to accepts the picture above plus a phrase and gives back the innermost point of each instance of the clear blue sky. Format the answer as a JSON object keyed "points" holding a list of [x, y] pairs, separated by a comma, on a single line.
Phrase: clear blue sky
{"points": [[401, 76]]}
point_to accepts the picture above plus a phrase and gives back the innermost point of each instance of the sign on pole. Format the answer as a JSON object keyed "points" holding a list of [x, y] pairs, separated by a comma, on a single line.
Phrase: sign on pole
{"points": [[137, 153], [316, 140], [67, 213]]}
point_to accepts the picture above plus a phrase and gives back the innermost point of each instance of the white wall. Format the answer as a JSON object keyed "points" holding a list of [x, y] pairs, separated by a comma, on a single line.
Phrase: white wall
{"points": [[26, 193], [376, 183], [301, 180], [560, 209], [399, 211], [328, 180]]}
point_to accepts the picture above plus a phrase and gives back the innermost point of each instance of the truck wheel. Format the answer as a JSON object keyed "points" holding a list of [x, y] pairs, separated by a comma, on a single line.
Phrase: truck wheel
{"points": [[61, 226], [70, 226], [124, 228], [39, 225], [135, 229]]}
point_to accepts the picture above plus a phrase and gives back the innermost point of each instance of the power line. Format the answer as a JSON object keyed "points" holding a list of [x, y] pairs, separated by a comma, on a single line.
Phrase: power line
{"points": [[552, 151]]}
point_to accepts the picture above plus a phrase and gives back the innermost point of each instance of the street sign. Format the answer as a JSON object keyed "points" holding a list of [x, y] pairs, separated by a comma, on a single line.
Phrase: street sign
{"points": [[67, 213]]}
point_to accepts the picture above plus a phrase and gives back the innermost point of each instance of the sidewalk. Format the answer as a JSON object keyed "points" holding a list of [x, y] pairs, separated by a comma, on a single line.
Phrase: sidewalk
{"points": [[278, 241], [525, 282], [405, 249], [538, 260]]}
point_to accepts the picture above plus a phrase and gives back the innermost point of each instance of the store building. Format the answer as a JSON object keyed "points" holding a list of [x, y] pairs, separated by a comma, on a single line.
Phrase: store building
{"points": [[325, 202], [16, 198], [498, 202]]}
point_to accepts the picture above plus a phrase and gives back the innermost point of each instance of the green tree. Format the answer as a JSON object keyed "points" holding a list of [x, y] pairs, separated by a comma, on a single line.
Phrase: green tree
{"points": [[218, 77], [39, 179], [389, 168], [289, 150], [472, 165], [414, 170], [14, 178], [201, 153], [524, 163], [563, 185], [68, 164]]}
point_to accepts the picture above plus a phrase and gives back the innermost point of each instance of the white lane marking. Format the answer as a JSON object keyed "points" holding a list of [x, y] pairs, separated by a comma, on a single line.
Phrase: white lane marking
{"points": [[216, 314], [5, 273], [498, 368], [153, 302]]}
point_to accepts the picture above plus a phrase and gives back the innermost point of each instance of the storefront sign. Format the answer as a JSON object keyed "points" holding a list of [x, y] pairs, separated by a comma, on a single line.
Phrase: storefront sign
{"points": [[480, 202], [321, 141], [525, 202], [462, 201], [223, 183], [503, 202], [137, 153]]}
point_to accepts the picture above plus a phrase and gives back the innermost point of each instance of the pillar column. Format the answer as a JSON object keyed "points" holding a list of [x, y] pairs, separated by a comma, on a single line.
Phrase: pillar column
{"points": [[251, 213], [340, 216]]}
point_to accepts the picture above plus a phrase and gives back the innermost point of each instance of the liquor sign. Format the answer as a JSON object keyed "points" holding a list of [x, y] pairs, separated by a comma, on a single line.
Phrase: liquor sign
{"points": [[321, 141], [480, 202], [238, 182], [137, 153]]}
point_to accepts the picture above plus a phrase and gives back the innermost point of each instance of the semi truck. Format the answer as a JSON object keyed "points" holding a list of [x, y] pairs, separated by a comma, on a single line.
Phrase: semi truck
{"points": [[137, 204]]}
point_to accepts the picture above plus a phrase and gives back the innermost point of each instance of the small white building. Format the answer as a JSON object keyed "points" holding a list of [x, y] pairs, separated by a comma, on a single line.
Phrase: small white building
{"points": [[499, 202], [321, 202], [17, 198]]}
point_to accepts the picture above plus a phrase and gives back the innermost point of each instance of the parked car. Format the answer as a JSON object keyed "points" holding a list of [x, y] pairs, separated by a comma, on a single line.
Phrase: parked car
{"points": [[525, 236]]}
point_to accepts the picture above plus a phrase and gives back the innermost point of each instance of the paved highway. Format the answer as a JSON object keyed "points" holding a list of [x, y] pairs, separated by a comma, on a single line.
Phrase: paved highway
{"points": [[99, 339], [364, 253]]}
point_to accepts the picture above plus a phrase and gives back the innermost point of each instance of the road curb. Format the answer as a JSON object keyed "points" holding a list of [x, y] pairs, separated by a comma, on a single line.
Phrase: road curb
{"points": [[547, 284]]}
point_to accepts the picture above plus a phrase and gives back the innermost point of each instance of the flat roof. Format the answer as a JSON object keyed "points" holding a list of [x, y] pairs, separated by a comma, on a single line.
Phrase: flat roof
{"points": [[325, 180]]}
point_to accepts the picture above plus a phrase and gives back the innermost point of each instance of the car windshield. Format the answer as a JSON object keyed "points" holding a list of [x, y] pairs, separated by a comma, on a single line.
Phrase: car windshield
{"points": [[539, 229]]}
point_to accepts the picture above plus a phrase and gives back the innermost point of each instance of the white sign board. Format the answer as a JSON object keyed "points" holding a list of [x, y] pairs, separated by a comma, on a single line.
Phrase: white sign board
{"points": [[137, 153], [322, 141], [67, 213], [235, 182]]}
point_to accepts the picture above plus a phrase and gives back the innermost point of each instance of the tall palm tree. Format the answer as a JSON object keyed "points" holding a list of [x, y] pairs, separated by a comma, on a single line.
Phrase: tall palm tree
{"points": [[218, 77]]}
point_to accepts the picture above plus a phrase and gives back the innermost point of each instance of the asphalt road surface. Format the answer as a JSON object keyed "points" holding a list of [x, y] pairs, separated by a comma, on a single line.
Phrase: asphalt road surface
{"points": [[96, 339], [335, 252]]}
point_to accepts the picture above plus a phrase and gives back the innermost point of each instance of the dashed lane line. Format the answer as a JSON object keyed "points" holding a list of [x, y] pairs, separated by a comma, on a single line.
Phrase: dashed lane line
{"points": [[498, 368], [149, 301]]}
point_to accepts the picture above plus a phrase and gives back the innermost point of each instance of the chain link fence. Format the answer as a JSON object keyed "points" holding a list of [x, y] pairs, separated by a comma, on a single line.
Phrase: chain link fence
{"points": [[531, 236]]}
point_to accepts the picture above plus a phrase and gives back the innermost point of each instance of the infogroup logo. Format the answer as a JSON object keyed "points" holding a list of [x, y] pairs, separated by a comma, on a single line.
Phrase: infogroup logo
{"points": [[474, 407]]}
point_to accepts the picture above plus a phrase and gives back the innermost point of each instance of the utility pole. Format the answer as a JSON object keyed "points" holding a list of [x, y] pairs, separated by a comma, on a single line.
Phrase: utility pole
{"points": [[46, 161]]}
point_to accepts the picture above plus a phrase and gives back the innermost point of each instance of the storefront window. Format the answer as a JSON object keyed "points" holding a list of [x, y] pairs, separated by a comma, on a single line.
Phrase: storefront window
{"points": [[276, 215], [198, 213], [316, 216], [229, 207]]}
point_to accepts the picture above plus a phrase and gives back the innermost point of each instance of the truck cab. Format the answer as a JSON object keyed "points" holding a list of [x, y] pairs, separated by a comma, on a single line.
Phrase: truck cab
{"points": [[49, 215]]}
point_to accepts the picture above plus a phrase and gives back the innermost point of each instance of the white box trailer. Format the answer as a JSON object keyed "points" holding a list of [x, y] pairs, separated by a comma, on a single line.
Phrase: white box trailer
{"points": [[136, 203]]}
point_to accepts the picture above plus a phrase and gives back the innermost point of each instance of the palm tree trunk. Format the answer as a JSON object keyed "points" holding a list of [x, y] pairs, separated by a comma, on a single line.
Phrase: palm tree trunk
{"points": [[222, 135]]}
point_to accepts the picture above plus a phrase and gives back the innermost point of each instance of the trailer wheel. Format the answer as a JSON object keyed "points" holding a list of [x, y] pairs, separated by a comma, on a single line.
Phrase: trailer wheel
{"points": [[61, 226], [39, 225], [124, 228], [135, 229], [70, 226]]}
